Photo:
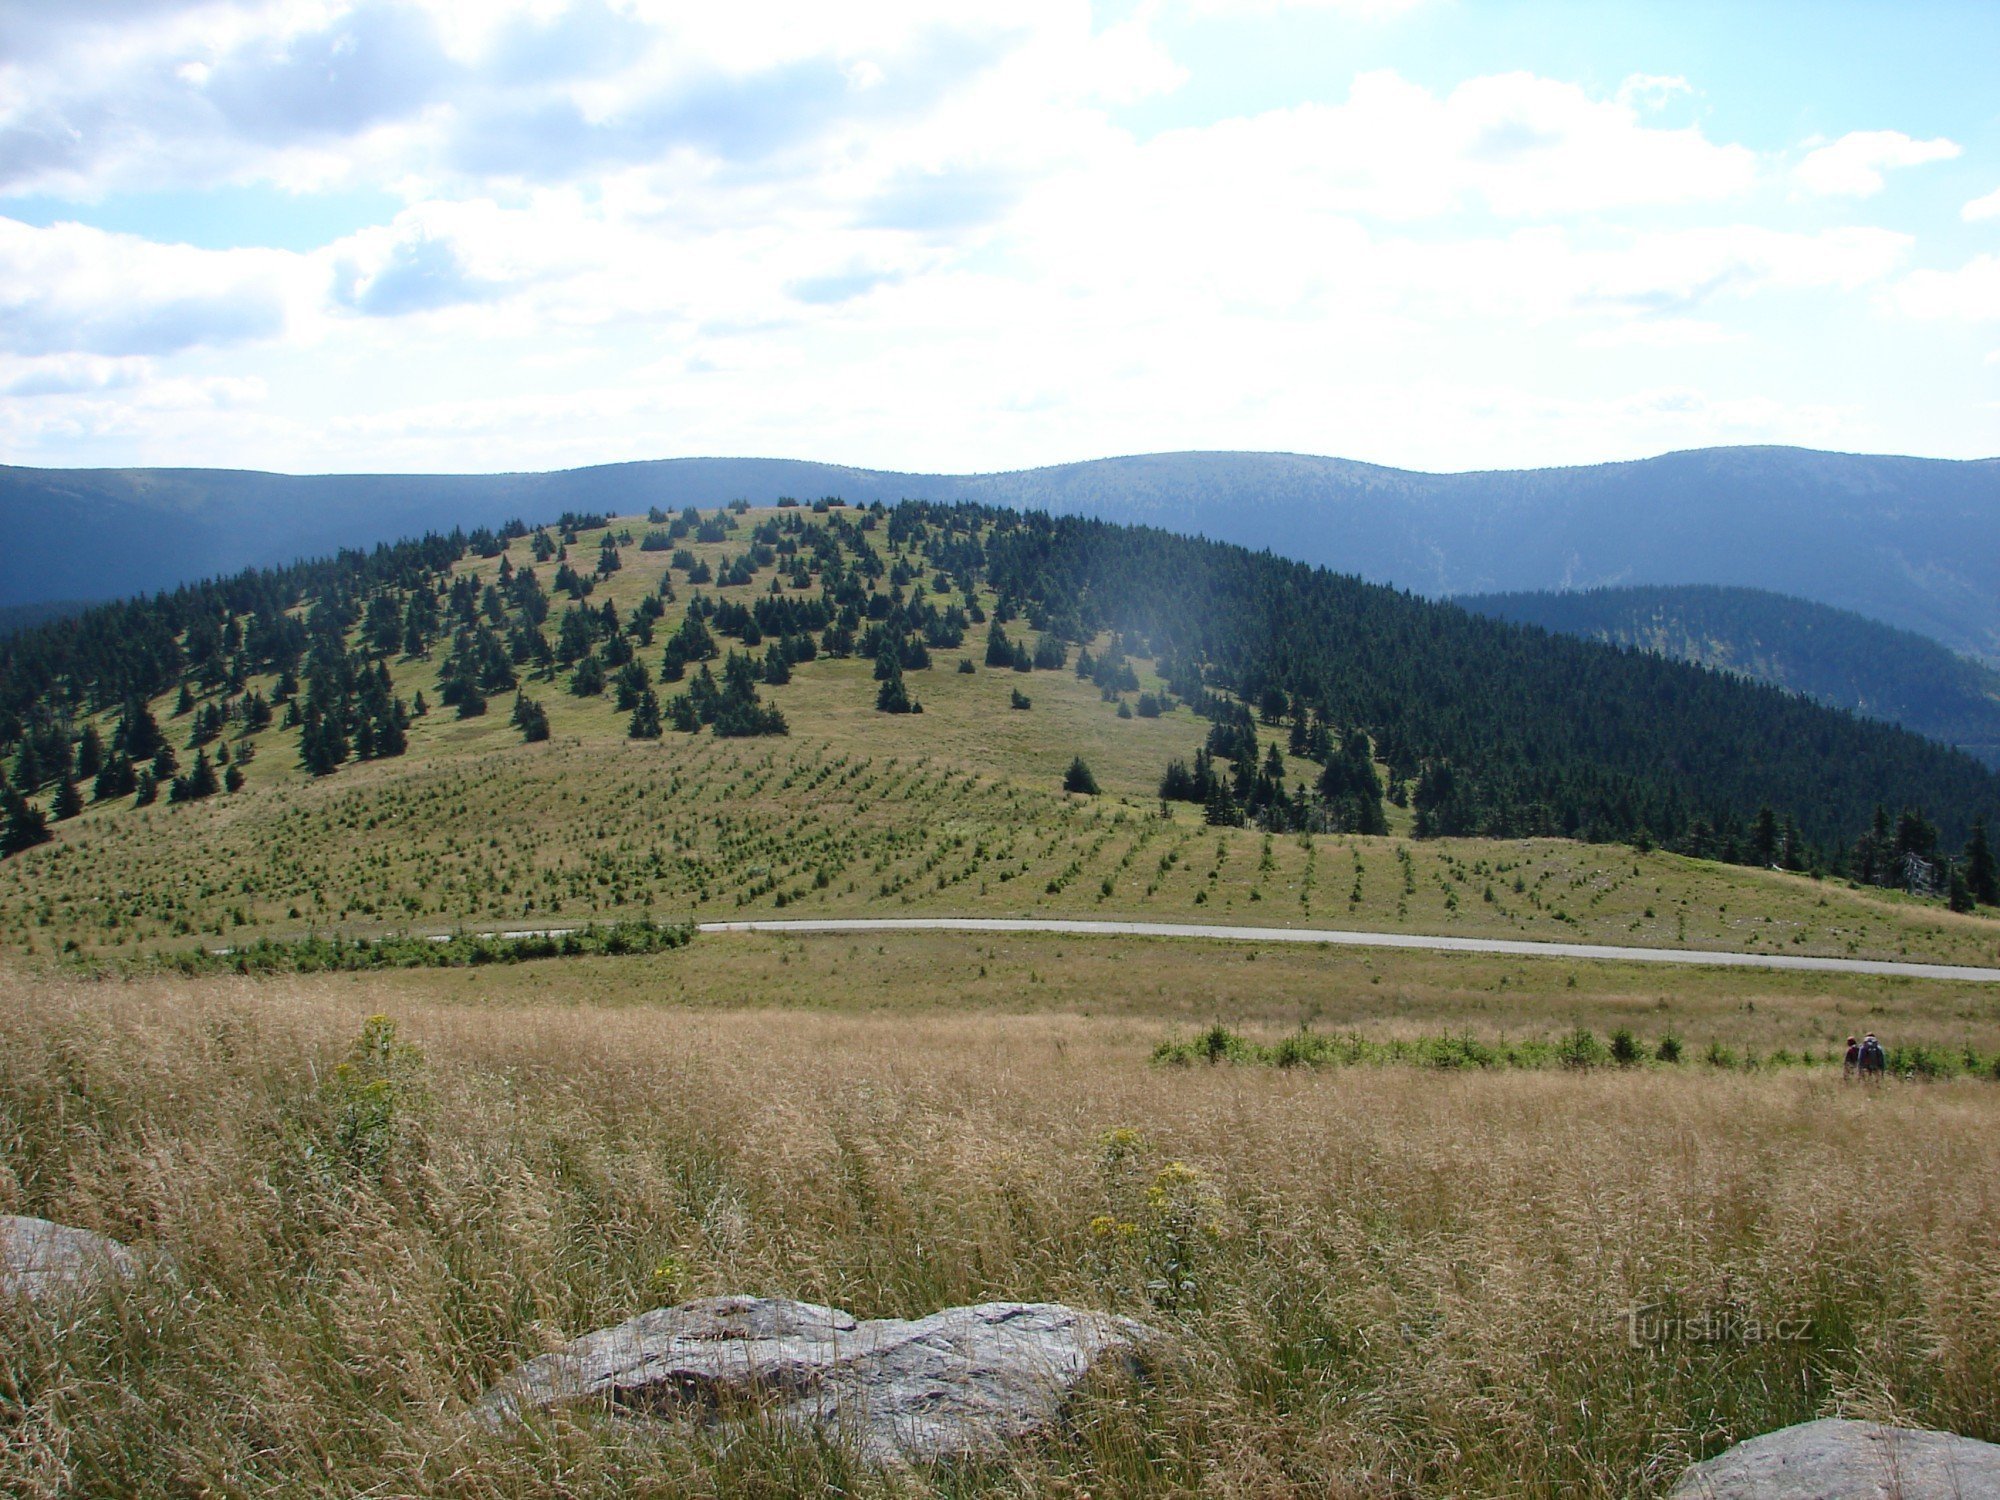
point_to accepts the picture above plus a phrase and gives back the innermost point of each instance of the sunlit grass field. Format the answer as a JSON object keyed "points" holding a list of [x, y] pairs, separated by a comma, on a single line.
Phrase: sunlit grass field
{"points": [[1388, 1281]]}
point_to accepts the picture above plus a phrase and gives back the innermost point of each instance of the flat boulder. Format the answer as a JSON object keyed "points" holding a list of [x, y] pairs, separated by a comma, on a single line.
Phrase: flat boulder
{"points": [[1834, 1459], [959, 1383], [47, 1262]]}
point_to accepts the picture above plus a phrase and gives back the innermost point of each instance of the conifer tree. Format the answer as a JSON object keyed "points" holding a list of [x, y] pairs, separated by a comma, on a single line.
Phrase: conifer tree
{"points": [[68, 801], [645, 723], [1078, 779], [24, 825], [1959, 896], [138, 733], [28, 766], [531, 719], [322, 744], [89, 753], [114, 779], [202, 781], [1981, 875]]}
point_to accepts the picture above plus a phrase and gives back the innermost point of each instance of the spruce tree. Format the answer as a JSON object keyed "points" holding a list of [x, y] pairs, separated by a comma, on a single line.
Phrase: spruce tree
{"points": [[1960, 897], [892, 697], [1221, 810], [202, 780], [138, 733], [68, 802], [1981, 874], [1078, 779], [645, 723], [28, 772], [114, 779], [1765, 840], [89, 753], [25, 826]]}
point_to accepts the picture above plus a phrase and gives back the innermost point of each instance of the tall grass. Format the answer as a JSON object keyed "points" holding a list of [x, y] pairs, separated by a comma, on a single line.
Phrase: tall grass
{"points": [[1382, 1281]]}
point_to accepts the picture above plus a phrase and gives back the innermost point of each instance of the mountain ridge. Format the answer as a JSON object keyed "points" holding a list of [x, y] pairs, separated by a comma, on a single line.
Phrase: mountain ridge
{"points": [[1912, 542]]}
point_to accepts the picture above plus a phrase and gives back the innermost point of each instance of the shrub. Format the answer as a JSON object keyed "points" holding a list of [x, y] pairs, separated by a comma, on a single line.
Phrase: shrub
{"points": [[1580, 1049]]}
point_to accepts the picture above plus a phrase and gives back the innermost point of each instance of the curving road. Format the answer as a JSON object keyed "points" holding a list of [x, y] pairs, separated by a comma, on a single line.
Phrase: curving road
{"points": [[1352, 939]]}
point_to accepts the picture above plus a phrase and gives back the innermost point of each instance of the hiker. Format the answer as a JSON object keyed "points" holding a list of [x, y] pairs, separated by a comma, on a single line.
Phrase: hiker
{"points": [[1874, 1061], [1852, 1066]]}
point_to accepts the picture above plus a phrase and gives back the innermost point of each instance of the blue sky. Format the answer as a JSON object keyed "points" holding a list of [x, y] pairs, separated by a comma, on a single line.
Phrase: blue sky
{"points": [[315, 235]]}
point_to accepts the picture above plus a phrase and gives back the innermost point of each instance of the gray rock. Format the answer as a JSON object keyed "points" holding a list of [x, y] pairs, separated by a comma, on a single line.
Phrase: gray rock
{"points": [[1838, 1460], [964, 1381], [47, 1262]]}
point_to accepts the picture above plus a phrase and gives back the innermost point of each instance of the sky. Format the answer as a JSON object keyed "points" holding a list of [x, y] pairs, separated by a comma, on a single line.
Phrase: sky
{"points": [[482, 235]]}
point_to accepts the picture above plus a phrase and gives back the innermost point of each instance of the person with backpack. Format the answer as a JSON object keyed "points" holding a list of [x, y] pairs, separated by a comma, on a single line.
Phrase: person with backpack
{"points": [[1851, 1065], [1874, 1061]]}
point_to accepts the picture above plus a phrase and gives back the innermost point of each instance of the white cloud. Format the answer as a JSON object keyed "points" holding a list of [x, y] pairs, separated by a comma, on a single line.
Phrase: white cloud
{"points": [[69, 288], [1853, 165], [1980, 209], [1515, 144], [1366, 10], [1658, 333], [1969, 294], [371, 92], [70, 374], [634, 227], [1653, 90]]}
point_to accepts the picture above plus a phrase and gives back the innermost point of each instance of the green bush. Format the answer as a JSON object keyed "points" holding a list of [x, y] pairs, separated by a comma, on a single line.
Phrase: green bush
{"points": [[1581, 1049]]}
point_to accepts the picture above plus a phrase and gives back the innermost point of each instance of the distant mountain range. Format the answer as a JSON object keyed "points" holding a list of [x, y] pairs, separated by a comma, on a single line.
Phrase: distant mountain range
{"points": [[1912, 542], [1833, 655]]}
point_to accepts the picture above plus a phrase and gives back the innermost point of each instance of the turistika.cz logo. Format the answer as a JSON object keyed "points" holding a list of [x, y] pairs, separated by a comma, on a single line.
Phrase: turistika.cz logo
{"points": [[1651, 1324]]}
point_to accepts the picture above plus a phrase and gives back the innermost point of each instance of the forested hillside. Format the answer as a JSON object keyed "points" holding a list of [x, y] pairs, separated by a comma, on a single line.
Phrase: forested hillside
{"points": [[1913, 542], [1832, 655], [1479, 726]]}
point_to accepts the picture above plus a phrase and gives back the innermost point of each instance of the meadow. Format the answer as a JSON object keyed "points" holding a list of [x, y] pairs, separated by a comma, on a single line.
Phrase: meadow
{"points": [[1371, 1281]]}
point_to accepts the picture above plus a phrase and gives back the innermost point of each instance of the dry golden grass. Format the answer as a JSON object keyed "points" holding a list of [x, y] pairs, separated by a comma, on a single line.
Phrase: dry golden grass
{"points": [[1391, 1282]]}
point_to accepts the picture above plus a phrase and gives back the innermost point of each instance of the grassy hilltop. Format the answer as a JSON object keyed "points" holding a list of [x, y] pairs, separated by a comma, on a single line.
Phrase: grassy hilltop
{"points": [[955, 809], [1398, 1267]]}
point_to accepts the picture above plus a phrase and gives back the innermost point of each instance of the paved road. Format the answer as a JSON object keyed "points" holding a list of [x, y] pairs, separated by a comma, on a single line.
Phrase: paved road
{"points": [[1366, 940]]}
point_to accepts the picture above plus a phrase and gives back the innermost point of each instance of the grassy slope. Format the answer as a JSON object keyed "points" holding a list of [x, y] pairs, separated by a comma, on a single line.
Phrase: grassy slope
{"points": [[956, 810]]}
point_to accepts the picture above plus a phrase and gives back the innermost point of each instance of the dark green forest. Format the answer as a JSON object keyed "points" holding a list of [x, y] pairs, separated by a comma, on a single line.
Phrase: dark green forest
{"points": [[1484, 727], [1838, 657]]}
